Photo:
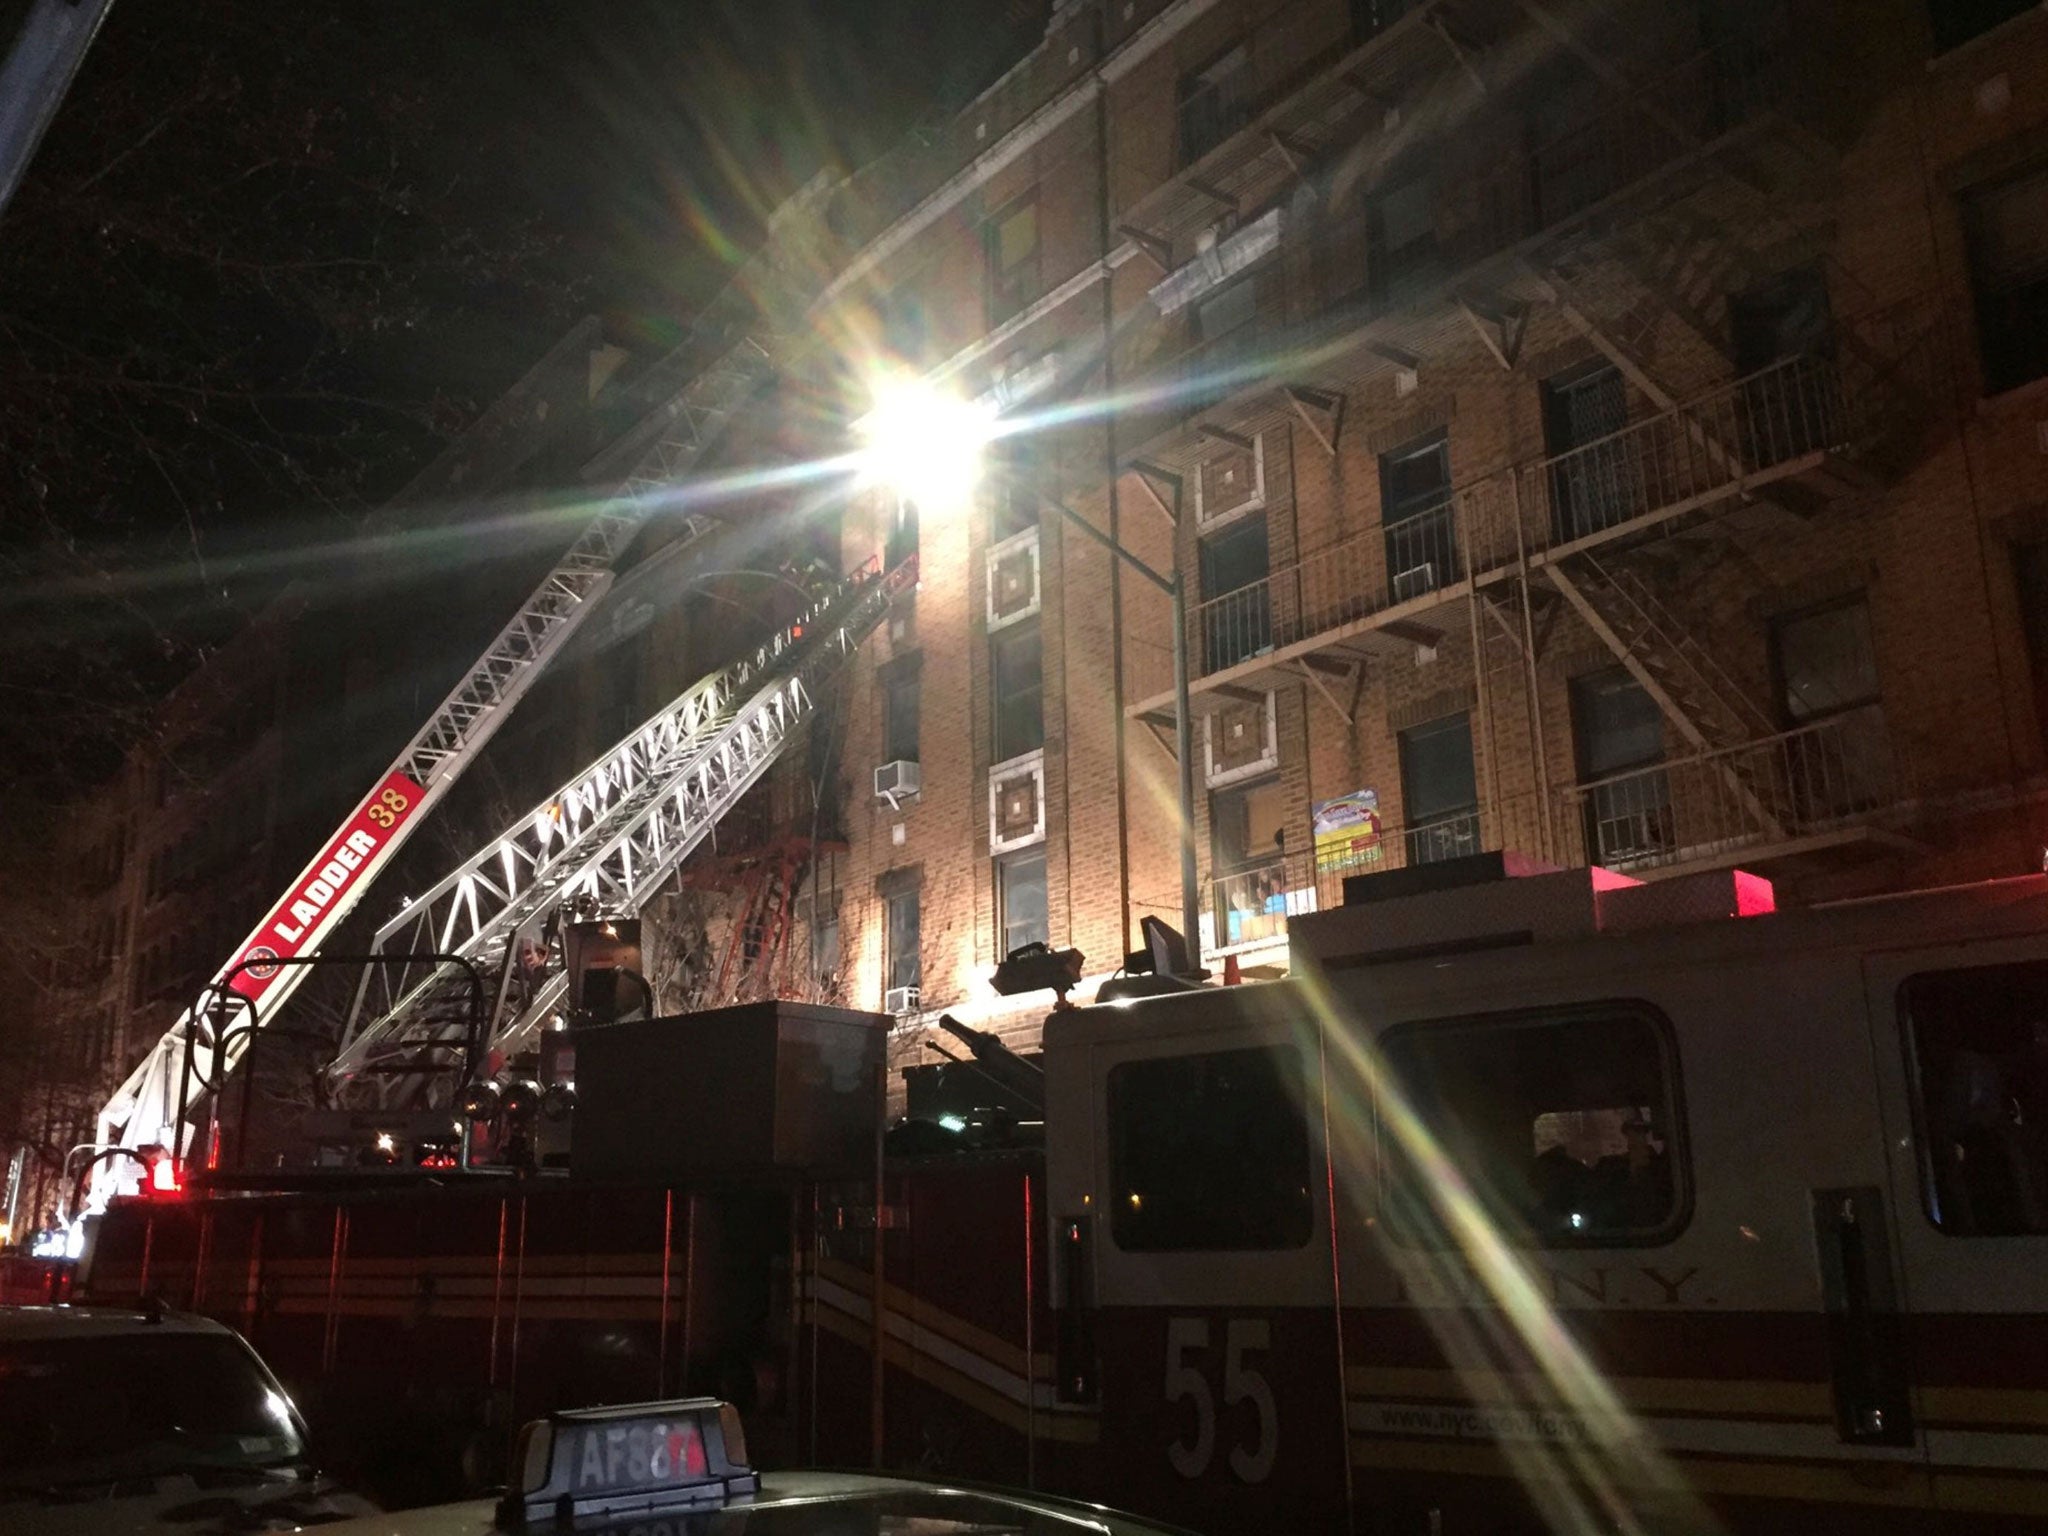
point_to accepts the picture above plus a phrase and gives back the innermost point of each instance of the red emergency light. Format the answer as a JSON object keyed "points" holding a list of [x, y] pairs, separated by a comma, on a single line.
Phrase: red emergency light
{"points": [[164, 1178]]}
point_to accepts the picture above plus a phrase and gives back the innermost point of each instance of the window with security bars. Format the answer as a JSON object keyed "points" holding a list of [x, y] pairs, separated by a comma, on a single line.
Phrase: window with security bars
{"points": [[1416, 516], [1439, 789], [1619, 732], [2006, 226], [1236, 615], [1595, 478], [1837, 755]]}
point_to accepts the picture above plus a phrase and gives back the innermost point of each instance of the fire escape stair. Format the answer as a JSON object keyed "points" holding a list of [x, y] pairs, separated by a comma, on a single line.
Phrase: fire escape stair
{"points": [[1691, 689]]}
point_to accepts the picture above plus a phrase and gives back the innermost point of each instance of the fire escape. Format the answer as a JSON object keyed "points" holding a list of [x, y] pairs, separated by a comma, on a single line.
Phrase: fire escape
{"points": [[1666, 177]]}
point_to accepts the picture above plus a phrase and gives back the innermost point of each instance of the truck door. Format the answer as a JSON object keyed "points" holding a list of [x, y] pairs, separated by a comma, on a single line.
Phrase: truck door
{"points": [[1214, 1325], [1961, 1044]]}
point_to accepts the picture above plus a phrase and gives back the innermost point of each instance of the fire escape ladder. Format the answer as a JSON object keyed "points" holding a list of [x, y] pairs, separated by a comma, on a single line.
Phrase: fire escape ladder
{"points": [[1691, 690], [615, 861]]}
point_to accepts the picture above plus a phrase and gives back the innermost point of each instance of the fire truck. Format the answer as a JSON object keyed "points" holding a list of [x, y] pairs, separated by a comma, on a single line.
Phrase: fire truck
{"points": [[1534, 1199]]}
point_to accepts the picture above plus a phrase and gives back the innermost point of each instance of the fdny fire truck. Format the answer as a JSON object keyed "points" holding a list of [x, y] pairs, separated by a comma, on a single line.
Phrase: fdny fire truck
{"points": [[1532, 1200]]}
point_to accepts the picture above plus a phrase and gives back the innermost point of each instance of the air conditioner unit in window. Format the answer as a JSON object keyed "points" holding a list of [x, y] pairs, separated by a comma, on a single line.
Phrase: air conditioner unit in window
{"points": [[1415, 581], [898, 781], [900, 1000]]}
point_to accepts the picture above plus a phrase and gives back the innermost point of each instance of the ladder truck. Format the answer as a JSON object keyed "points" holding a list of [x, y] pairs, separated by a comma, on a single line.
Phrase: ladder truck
{"points": [[146, 1112]]}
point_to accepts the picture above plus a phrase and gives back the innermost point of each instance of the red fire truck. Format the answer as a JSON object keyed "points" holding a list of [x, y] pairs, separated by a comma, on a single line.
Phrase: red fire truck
{"points": [[1542, 1201]]}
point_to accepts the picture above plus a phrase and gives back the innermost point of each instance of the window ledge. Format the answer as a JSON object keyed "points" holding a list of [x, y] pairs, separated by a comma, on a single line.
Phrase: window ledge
{"points": [[1969, 48]]}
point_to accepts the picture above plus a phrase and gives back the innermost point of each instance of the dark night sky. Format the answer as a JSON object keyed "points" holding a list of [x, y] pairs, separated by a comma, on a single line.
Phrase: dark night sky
{"points": [[273, 252]]}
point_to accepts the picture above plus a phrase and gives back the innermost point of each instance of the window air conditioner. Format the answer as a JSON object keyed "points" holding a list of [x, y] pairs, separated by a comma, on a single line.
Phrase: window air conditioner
{"points": [[899, 1001], [1415, 581], [898, 781]]}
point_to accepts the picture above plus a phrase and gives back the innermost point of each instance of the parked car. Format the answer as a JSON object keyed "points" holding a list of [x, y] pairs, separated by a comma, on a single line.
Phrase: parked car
{"points": [[129, 1421], [676, 1468]]}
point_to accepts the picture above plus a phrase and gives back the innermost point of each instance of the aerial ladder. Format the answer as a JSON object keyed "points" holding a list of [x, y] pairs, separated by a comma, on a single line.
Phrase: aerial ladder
{"points": [[147, 1110], [603, 844], [47, 51]]}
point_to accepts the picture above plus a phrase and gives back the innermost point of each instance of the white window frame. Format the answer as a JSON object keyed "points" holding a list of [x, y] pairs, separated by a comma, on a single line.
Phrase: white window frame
{"points": [[1268, 758], [1255, 501], [997, 553], [1032, 763]]}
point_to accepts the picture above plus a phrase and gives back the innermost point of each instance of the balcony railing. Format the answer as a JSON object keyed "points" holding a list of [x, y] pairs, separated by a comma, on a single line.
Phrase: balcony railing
{"points": [[1816, 781], [1734, 438], [1826, 781], [1252, 906]]}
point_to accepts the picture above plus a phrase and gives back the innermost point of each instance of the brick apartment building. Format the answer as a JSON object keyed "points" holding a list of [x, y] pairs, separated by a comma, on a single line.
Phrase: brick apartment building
{"points": [[1616, 432], [1613, 432]]}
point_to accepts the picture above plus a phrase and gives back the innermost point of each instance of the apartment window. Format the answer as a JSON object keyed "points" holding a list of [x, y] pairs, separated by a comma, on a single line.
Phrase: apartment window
{"points": [[1215, 101], [1209, 1153], [1248, 847], [1957, 21], [2006, 227], [900, 712], [905, 968], [1402, 251], [1012, 241], [1595, 475], [1439, 789], [825, 946], [1619, 733], [1974, 1045], [1013, 494], [1415, 513], [1228, 309], [1838, 759], [1235, 612], [1824, 661], [1017, 689], [1565, 1121], [901, 543], [1020, 900]]}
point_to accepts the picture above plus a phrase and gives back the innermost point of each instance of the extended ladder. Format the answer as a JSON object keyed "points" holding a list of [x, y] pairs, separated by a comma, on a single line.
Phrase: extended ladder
{"points": [[146, 1109], [610, 837]]}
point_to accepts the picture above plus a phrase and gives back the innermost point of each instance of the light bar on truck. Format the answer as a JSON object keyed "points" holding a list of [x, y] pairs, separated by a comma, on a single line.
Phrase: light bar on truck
{"points": [[637, 1459]]}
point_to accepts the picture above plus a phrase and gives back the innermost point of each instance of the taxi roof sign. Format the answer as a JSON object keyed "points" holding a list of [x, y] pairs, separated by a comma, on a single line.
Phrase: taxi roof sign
{"points": [[639, 1458]]}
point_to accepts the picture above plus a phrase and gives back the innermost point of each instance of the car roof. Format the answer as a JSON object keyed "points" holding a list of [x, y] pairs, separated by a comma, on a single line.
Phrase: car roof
{"points": [[19, 1324], [789, 1494]]}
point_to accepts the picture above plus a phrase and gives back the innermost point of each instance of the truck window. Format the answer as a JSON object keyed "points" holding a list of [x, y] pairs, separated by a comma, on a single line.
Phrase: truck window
{"points": [[1977, 1049], [1209, 1153], [1563, 1124]]}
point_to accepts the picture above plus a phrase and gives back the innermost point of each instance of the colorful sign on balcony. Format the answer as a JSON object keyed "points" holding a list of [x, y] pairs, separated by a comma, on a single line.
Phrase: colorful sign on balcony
{"points": [[1347, 831]]}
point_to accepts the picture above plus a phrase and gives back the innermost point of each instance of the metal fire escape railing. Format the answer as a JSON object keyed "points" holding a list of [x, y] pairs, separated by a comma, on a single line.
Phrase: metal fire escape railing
{"points": [[147, 1101], [611, 836]]}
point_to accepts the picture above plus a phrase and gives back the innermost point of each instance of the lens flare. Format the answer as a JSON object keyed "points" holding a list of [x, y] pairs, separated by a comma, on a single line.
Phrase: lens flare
{"points": [[925, 444], [1515, 1354]]}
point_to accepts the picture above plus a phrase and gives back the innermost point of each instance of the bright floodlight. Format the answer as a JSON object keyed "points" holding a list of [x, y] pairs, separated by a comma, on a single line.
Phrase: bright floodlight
{"points": [[925, 444]]}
